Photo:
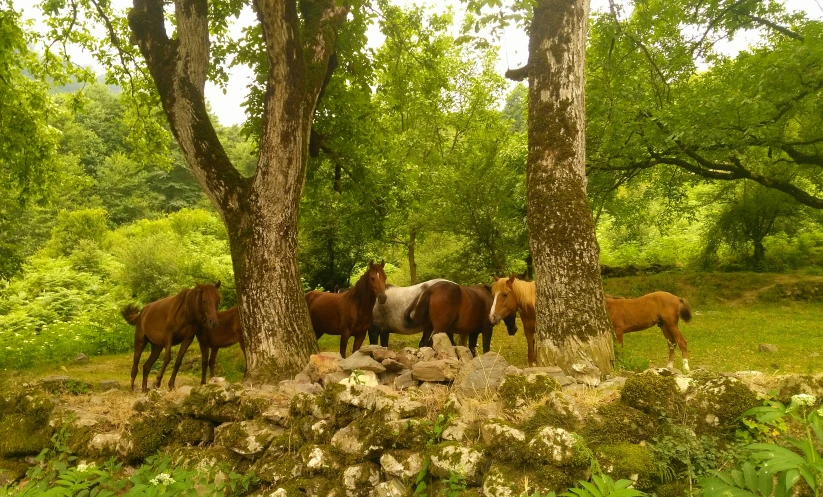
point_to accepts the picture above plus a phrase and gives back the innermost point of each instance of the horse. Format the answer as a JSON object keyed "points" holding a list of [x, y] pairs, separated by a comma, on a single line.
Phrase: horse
{"points": [[348, 314], [659, 308], [447, 307], [512, 295], [171, 321], [228, 332], [389, 318]]}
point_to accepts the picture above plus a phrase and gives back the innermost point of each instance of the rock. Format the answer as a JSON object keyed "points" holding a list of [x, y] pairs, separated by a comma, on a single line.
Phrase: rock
{"points": [[495, 484], [463, 353], [318, 459], [334, 378], [360, 377], [403, 408], [278, 415], [382, 354], [370, 349], [438, 370], [407, 357], [349, 441], [194, 432], [360, 479], [246, 438], [456, 431], [426, 354], [463, 461], [105, 444], [683, 383], [302, 378], [436, 389], [495, 432], [63, 384], [405, 465], [520, 390], [392, 488], [323, 364], [717, 404], [222, 403], [612, 383], [767, 347], [552, 445], [549, 370], [443, 346], [653, 392], [586, 373], [81, 358], [217, 380], [185, 389], [392, 366], [290, 388], [361, 361], [405, 380], [275, 467], [106, 385], [365, 397], [512, 370], [482, 376]]}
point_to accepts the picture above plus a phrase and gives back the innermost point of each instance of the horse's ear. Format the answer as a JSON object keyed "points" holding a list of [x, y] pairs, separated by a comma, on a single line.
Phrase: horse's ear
{"points": [[371, 263], [382, 263], [217, 285], [511, 279]]}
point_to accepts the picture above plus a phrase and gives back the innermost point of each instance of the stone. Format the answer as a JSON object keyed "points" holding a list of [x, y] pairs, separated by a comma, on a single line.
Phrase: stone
{"points": [[319, 459], [361, 361], [194, 432], [405, 465], [106, 385], [360, 479], [392, 365], [185, 389], [217, 380], [454, 459], [512, 370], [365, 397], [456, 431], [613, 383], [443, 346], [382, 354], [405, 380], [359, 377], [247, 438], [323, 364], [348, 440], [81, 358], [406, 358], [495, 484], [403, 408], [335, 377], [436, 389], [302, 378], [278, 415], [552, 445], [105, 444], [426, 354], [464, 354], [495, 432], [482, 376], [683, 383], [438, 370], [392, 488], [290, 388], [586, 373], [370, 349], [767, 347]]}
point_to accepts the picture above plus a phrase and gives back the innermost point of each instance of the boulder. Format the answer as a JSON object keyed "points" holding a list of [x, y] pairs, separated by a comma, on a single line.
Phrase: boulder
{"points": [[653, 392], [552, 445], [105, 444], [247, 438], [464, 354], [443, 346], [405, 380], [482, 376], [81, 358], [717, 404], [360, 479], [361, 361], [360, 377], [402, 464], [392, 365], [194, 432], [518, 390], [437, 370], [392, 488], [278, 415], [318, 459], [221, 403], [426, 354], [290, 388], [463, 461], [382, 354], [767, 347]]}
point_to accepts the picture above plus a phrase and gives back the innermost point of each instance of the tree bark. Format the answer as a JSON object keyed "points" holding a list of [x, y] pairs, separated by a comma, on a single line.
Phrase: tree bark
{"points": [[412, 262], [260, 213], [573, 328]]}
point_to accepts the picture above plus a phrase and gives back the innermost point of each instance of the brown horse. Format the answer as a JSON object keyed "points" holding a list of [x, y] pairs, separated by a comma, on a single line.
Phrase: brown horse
{"points": [[512, 295], [348, 314], [447, 307], [659, 308], [228, 332], [171, 321]]}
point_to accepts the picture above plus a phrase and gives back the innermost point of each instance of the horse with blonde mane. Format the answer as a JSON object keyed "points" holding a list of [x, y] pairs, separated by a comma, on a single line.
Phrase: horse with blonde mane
{"points": [[511, 295], [658, 308]]}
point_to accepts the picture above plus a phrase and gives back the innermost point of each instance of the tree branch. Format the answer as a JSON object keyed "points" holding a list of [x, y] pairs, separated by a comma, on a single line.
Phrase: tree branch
{"points": [[780, 29], [518, 74]]}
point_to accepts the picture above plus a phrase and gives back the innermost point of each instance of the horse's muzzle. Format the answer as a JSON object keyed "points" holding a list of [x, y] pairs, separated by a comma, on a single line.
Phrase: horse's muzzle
{"points": [[382, 298], [494, 319]]}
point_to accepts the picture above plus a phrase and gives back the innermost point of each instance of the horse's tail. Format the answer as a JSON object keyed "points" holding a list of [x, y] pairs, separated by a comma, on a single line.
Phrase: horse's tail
{"points": [[130, 313], [420, 308], [685, 310]]}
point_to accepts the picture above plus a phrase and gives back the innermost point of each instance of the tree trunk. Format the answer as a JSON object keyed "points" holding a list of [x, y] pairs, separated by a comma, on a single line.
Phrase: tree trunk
{"points": [[573, 328], [759, 253], [412, 262]]}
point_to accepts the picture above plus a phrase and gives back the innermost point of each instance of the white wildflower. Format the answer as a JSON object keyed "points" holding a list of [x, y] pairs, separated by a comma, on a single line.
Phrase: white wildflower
{"points": [[820, 412], [162, 479], [804, 399], [83, 467]]}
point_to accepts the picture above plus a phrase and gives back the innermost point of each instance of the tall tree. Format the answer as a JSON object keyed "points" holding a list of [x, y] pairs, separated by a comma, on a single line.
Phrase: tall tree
{"points": [[573, 328]]}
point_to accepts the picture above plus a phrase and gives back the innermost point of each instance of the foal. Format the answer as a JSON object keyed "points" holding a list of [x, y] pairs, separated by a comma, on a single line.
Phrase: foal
{"points": [[228, 332]]}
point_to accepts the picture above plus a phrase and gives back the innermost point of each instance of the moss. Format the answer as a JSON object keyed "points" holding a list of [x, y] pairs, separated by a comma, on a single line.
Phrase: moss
{"points": [[64, 385], [12, 471], [204, 459], [509, 479], [193, 432], [718, 404], [24, 423], [673, 489], [276, 467], [507, 447], [629, 461], [652, 393], [148, 434], [518, 388], [619, 422], [553, 412], [221, 404]]}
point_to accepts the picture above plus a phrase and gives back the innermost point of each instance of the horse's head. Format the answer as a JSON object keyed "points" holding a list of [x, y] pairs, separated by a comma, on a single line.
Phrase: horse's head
{"points": [[208, 299], [504, 304], [377, 280]]}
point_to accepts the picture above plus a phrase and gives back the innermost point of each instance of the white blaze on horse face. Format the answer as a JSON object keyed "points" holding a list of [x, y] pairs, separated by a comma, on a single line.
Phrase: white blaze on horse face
{"points": [[494, 304]]}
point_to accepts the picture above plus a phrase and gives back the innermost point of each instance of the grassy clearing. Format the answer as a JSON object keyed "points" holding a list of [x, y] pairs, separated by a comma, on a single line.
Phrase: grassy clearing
{"points": [[733, 313]]}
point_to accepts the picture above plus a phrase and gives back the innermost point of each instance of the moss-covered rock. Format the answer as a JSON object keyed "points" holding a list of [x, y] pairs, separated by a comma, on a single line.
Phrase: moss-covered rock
{"points": [[206, 459], [716, 405], [12, 471], [450, 458], [146, 435], [24, 423], [518, 390], [618, 422], [359, 480], [673, 489], [247, 438], [276, 467], [504, 442], [194, 432], [223, 403], [628, 461], [556, 446], [319, 459], [507, 480], [652, 393], [557, 410], [797, 384], [404, 465]]}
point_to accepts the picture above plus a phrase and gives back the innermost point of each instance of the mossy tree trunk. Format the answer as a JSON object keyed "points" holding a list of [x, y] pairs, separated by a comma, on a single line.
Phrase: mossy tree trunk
{"points": [[573, 329], [261, 212]]}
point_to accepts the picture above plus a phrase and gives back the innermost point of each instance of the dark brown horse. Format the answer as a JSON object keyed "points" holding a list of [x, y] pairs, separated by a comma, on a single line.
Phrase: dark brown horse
{"points": [[348, 314], [447, 307], [171, 321], [228, 332]]}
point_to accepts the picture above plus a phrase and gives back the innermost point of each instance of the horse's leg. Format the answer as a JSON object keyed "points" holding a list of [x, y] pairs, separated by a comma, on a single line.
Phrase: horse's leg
{"points": [[155, 353], [473, 343], [384, 338], [204, 360], [139, 345], [681, 342], [528, 330], [179, 360], [344, 342], [358, 342], [450, 334], [487, 338], [426, 338], [212, 361], [166, 361], [671, 342], [374, 335]]}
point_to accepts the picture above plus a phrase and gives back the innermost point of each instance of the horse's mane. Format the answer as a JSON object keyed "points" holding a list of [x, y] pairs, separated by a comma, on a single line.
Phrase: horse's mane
{"points": [[360, 290], [523, 291]]}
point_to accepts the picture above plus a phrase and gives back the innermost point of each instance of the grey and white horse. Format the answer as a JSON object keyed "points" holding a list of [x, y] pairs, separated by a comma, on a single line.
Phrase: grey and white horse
{"points": [[389, 317]]}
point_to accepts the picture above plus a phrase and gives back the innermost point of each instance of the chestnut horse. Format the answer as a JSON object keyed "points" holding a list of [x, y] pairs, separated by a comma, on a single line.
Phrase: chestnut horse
{"points": [[348, 314], [228, 332], [512, 295], [659, 308], [171, 321], [447, 307]]}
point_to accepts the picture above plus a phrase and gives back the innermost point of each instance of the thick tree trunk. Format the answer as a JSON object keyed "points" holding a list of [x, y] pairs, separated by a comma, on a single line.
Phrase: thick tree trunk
{"points": [[759, 253], [573, 328], [412, 262]]}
